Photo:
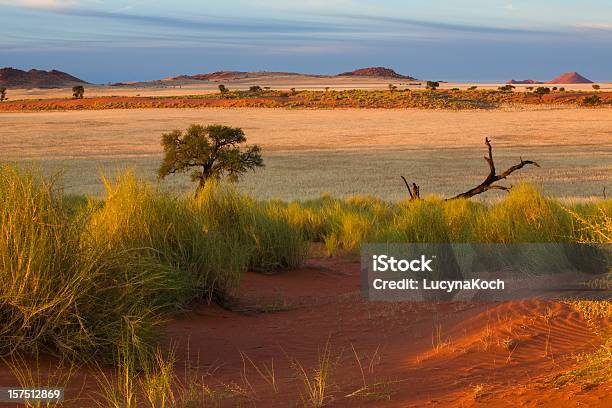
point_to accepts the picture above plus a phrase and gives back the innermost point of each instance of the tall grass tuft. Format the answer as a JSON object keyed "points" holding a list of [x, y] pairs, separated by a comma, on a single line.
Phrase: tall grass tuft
{"points": [[48, 276]]}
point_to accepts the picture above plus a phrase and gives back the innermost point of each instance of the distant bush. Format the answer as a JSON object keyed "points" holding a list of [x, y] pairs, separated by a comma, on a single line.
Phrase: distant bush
{"points": [[255, 89], [506, 88], [541, 90], [78, 92], [472, 88], [2, 94], [596, 87], [591, 100], [562, 89], [432, 85], [222, 89]]}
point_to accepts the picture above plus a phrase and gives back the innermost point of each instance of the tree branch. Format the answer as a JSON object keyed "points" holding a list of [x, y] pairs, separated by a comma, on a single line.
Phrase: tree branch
{"points": [[487, 184]]}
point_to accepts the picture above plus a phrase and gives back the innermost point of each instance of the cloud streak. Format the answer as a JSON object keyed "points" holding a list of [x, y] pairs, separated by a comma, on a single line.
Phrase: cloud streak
{"points": [[41, 4]]}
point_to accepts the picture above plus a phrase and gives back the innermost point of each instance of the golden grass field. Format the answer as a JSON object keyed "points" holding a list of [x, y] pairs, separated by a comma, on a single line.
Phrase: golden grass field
{"points": [[343, 152]]}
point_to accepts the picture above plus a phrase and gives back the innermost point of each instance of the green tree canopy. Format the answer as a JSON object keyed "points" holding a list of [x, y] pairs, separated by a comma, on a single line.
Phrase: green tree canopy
{"points": [[211, 152]]}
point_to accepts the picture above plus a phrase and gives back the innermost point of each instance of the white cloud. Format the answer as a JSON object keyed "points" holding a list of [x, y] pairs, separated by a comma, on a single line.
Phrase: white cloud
{"points": [[595, 26], [41, 4]]}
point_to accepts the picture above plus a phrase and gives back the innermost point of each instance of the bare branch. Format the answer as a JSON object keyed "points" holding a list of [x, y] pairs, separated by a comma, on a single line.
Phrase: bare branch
{"points": [[487, 184], [408, 187]]}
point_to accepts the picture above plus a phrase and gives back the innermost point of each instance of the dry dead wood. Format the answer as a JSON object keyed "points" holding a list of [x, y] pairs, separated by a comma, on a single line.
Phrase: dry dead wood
{"points": [[487, 184]]}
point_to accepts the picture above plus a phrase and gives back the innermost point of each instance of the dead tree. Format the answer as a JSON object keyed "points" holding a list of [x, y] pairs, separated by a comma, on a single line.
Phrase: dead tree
{"points": [[493, 177], [413, 191], [486, 185]]}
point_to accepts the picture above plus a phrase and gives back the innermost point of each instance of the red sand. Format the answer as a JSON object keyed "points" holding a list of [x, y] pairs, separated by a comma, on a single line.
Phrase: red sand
{"points": [[324, 302], [420, 354]]}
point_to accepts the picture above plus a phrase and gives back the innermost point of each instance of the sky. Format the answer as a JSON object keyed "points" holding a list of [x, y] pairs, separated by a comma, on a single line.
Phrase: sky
{"points": [[451, 40]]}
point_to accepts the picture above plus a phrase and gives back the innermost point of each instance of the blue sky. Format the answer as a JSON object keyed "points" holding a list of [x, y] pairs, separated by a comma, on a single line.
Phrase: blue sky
{"points": [[126, 40]]}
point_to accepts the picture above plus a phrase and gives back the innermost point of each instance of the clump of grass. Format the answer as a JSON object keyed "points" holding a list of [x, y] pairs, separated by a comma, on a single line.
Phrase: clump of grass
{"points": [[49, 276], [525, 215], [316, 383], [78, 273], [30, 373], [264, 231]]}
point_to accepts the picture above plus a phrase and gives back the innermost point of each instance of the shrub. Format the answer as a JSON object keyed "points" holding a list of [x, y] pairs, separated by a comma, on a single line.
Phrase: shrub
{"points": [[542, 90], [78, 92], [591, 100], [2, 94], [222, 89], [596, 87], [255, 89], [432, 85], [506, 88]]}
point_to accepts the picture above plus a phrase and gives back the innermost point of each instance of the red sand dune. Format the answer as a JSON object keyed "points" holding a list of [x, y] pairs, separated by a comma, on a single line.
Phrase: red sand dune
{"points": [[570, 78], [413, 354]]}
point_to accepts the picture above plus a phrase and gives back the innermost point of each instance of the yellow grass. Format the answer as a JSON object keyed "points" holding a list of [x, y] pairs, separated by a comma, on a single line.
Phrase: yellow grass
{"points": [[344, 152]]}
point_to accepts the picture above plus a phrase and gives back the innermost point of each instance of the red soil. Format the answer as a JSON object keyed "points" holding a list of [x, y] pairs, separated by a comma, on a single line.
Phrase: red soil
{"points": [[487, 354]]}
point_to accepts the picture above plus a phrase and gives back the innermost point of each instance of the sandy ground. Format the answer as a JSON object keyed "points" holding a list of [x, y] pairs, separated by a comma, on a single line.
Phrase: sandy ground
{"points": [[398, 354], [344, 152], [181, 87]]}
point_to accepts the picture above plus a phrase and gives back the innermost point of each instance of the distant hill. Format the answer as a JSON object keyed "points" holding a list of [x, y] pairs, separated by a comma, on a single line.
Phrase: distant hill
{"points": [[211, 76], [378, 72], [524, 82], [373, 72], [570, 78], [231, 75], [35, 78]]}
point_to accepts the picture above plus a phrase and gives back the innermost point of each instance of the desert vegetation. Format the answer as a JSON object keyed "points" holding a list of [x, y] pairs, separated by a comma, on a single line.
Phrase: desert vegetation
{"points": [[353, 98], [96, 278], [78, 92], [211, 152]]}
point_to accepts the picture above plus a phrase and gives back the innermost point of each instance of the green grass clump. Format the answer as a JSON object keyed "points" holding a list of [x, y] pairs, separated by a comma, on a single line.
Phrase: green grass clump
{"points": [[263, 231], [79, 273], [523, 216]]}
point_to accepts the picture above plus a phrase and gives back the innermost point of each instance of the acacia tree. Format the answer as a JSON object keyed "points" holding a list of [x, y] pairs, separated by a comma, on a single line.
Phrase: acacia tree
{"points": [[78, 92], [432, 85], [212, 152], [2, 94]]}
